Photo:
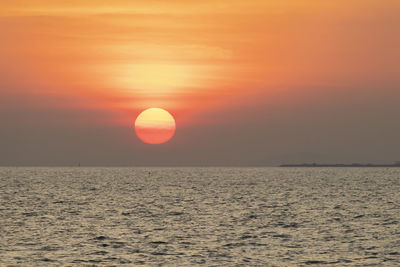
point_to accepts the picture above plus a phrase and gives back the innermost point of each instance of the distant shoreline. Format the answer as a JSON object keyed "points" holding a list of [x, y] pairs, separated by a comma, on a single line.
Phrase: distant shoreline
{"points": [[396, 165]]}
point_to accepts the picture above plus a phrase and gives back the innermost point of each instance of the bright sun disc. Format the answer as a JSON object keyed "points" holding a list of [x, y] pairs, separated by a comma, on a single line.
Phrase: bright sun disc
{"points": [[155, 126]]}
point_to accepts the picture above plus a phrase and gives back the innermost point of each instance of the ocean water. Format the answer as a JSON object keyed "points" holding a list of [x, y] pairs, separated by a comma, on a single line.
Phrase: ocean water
{"points": [[200, 216]]}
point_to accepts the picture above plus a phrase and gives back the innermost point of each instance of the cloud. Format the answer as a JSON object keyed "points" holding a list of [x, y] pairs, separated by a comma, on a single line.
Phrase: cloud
{"points": [[246, 80]]}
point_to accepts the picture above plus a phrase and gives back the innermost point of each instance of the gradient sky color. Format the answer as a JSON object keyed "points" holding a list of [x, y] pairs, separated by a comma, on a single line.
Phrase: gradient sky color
{"points": [[249, 82]]}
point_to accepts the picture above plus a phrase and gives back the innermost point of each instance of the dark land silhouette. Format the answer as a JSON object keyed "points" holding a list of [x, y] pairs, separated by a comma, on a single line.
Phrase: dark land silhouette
{"points": [[396, 164]]}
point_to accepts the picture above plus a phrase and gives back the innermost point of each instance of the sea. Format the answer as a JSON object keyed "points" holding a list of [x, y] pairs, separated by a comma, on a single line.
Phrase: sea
{"points": [[199, 216]]}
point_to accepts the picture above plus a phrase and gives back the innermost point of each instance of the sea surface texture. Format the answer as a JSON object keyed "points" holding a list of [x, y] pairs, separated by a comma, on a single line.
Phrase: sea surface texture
{"points": [[204, 216]]}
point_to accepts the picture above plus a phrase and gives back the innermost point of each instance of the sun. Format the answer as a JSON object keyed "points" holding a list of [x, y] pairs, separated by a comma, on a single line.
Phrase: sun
{"points": [[155, 126]]}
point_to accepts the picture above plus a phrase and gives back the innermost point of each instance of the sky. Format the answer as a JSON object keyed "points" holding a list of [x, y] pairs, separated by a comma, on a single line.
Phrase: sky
{"points": [[249, 83]]}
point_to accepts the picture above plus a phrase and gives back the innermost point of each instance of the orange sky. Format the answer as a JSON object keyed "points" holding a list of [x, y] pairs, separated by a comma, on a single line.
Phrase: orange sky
{"points": [[193, 58], [187, 55]]}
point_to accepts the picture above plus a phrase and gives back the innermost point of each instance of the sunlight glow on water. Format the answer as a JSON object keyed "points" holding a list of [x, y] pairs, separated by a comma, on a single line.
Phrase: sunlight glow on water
{"points": [[209, 216]]}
